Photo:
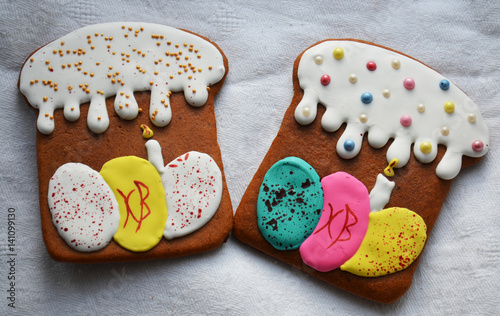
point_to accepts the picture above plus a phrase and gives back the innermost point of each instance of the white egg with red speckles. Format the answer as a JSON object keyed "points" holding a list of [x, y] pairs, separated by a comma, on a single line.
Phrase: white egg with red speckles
{"points": [[193, 188], [84, 209]]}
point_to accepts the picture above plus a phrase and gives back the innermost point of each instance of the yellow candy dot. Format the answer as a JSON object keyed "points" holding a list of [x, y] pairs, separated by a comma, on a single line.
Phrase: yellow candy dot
{"points": [[338, 53], [449, 107], [426, 147]]}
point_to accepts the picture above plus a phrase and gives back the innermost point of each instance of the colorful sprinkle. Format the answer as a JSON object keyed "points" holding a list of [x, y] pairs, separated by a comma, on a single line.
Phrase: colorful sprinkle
{"points": [[338, 53], [325, 80], [477, 146], [367, 98], [409, 83], [405, 120], [396, 63], [449, 107], [426, 147], [353, 78], [389, 170], [445, 131], [349, 145], [444, 84], [318, 60], [371, 65]]}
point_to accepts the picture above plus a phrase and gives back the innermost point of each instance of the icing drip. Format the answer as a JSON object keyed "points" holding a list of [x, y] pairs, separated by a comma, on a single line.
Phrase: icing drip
{"points": [[100, 61], [389, 95], [381, 193]]}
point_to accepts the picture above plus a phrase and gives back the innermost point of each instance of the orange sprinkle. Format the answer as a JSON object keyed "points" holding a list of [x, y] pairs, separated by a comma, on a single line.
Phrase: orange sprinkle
{"points": [[151, 83], [121, 106], [92, 74], [158, 43], [47, 62], [87, 90], [123, 27], [32, 82], [176, 46], [171, 77], [36, 80], [45, 99], [199, 69], [99, 118], [209, 67], [113, 80], [199, 56], [72, 108], [189, 77], [126, 35], [186, 58], [54, 51], [126, 104], [92, 47], [46, 114], [123, 83], [130, 28], [208, 88], [194, 90], [156, 72], [168, 43], [70, 88], [97, 63], [140, 110], [62, 43], [32, 59], [51, 117], [110, 67]]}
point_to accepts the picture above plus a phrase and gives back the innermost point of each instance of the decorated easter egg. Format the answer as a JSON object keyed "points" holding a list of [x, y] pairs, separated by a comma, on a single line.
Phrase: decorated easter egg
{"points": [[193, 189], [394, 239], [141, 198], [289, 203], [342, 225], [83, 207]]}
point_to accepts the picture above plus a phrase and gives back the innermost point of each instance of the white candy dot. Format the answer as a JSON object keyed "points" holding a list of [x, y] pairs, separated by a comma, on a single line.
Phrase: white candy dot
{"points": [[353, 78], [421, 108], [445, 131], [396, 63], [386, 93], [306, 111], [471, 117], [363, 118], [318, 60]]}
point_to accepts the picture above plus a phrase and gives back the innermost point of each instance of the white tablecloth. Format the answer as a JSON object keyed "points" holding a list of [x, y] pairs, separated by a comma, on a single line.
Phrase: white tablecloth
{"points": [[460, 269]]}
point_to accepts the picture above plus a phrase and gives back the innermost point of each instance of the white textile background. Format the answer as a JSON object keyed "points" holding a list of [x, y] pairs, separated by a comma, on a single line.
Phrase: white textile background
{"points": [[460, 269]]}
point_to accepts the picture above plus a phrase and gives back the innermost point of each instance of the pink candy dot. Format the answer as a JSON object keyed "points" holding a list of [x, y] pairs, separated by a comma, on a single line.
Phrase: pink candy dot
{"points": [[371, 65], [477, 145], [405, 120], [325, 80], [409, 83]]}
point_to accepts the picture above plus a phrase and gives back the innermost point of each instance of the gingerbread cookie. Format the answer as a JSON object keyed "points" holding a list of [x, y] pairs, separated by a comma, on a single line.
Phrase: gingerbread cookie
{"points": [[339, 195], [128, 162]]}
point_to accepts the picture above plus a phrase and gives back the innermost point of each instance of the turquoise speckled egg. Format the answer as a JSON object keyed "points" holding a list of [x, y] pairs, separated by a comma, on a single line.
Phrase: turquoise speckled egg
{"points": [[290, 203]]}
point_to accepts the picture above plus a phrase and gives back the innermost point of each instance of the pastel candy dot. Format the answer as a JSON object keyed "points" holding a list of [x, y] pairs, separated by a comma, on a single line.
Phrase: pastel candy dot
{"points": [[405, 120], [421, 108], [444, 84], [395, 63], [353, 78], [318, 60], [338, 53], [445, 131], [477, 146], [426, 147], [471, 117], [409, 83], [371, 65], [325, 80], [363, 118], [349, 145], [386, 93], [306, 111], [366, 98], [449, 107]]}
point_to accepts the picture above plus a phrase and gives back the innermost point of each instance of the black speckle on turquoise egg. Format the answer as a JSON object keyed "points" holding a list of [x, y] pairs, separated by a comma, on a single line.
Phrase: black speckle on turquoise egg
{"points": [[289, 203]]}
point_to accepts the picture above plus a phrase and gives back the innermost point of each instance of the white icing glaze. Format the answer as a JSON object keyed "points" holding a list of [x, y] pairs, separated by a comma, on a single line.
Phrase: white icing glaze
{"points": [[381, 193], [424, 103], [83, 207], [193, 189], [108, 60]]}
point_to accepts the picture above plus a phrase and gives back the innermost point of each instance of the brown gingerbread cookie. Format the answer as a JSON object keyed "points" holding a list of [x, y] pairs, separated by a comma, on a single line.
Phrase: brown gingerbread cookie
{"points": [[129, 167], [350, 190]]}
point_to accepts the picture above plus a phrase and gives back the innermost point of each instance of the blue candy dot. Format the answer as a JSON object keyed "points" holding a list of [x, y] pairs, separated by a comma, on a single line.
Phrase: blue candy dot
{"points": [[366, 98], [349, 145], [444, 84]]}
